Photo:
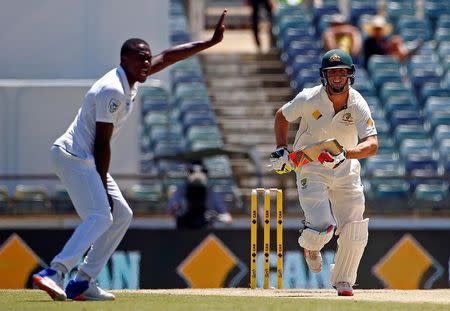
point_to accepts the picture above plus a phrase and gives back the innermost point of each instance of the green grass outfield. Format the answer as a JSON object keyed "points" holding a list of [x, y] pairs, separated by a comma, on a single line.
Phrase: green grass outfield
{"points": [[195, 300]]}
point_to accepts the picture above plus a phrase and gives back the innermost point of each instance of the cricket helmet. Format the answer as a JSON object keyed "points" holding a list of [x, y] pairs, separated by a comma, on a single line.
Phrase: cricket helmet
{"points": [[337, 59]]}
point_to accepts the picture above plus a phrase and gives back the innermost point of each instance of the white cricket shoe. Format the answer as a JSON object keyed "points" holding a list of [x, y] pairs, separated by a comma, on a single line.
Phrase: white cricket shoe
{"points": [[344, 289], [52, 282], [85, 290], [313, 260]]}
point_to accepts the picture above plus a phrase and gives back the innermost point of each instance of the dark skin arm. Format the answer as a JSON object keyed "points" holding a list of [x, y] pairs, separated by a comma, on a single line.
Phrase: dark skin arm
{"points": [[180, 52], [281, 129], [102, 152]]}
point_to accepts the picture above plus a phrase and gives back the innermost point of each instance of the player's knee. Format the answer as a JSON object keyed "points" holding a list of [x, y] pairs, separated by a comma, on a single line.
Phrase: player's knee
{"points": [[124, 214], [315, 240], [103, 221]]}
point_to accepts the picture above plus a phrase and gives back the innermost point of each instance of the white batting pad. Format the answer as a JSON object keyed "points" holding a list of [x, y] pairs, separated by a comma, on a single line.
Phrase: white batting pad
{"points": [[351, 243], [314, 240]]}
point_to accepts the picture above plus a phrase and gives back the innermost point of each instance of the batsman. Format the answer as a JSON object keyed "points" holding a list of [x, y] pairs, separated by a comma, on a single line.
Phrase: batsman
{"points": [[330, 190]]}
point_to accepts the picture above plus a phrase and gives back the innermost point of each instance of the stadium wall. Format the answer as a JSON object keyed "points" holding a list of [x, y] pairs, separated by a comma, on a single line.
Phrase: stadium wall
{"points": [[167, 258]]}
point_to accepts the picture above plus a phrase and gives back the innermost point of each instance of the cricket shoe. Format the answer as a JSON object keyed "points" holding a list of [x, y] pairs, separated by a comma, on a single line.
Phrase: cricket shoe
{"points": [[344, 289], [85, 290], [52, 282], [313, 260]]}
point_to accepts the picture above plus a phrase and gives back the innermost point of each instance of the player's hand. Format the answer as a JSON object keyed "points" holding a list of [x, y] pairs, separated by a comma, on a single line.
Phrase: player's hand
{"points": [[280, 161], [331, 161], [220, 28]]}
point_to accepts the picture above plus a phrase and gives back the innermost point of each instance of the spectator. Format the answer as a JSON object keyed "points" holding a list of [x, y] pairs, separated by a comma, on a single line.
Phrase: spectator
{"points": [[343, 36], [379, 41], [256, 5], [195, 204]]}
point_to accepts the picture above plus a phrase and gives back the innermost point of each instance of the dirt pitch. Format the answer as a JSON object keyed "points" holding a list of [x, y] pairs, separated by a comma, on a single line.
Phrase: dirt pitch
{"points": [[441, 296]]}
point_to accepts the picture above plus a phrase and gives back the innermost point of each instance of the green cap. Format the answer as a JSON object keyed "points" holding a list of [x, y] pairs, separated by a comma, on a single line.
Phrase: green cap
{"points": [[336, 59]]}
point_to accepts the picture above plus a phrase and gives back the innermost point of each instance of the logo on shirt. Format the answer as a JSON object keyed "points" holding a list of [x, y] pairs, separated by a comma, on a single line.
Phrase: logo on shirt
{"points": [[317, 114], [347, 118], [113, 105], [304, 183], [369, 122]]}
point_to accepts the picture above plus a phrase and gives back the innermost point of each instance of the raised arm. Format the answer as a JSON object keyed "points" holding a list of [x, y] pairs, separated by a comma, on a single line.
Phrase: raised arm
{"points": [[180, 52]]}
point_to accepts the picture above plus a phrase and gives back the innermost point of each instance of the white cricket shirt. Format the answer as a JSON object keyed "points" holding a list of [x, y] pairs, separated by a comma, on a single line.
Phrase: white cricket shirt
{"points": [[109, 100], [318, 120]]}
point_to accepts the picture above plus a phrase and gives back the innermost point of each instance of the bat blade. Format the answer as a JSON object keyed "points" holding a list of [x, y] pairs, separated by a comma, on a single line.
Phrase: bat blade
{"points": [[299, 158], [310, 152]]}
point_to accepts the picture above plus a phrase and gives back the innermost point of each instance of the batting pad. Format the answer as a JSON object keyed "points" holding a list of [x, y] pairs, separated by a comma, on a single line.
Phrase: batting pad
{"points": [[351, 243], [314, 240]]}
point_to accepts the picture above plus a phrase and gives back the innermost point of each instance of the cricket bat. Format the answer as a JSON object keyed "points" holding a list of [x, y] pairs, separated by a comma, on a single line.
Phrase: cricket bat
{"points": [[310, 153]]}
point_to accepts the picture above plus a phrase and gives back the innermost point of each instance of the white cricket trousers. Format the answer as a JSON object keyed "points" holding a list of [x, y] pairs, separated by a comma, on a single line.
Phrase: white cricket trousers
{"points": [[100, 232], [331, 197]]}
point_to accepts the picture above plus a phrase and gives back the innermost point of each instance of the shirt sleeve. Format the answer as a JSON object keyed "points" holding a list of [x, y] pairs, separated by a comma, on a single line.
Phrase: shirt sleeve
{"points": [[293, 110], [365, 125], [107, 104]]}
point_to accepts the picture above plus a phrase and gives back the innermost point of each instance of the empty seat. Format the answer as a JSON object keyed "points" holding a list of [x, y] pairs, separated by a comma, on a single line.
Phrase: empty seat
{"points": [[394, 89], [381, 63], [431, 196], [433, 89], [405, 131], [296, 48], [146, 198], [386, 146], [156, 92], [441, 132], [30, 199], [380, 77], [4, 199], [438, 118], [400, 102], [388, 194], [61, 200], [383, 165]]}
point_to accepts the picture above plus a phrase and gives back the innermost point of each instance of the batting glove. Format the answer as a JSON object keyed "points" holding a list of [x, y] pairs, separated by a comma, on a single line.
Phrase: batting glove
{"points": [[331, 161], [280, 161]]}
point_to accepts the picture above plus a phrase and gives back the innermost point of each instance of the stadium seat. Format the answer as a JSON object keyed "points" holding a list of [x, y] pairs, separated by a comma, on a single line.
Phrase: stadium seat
{"points": [[383, 165], [388, 195], [146, 198], [405, 116], [434, 10], [438, 118], [381, 63], [301, 62], [4, 199], [390, 89], [361, 7], [305, 76], [417, 27], [400, 102], [296, 48], [432, 89], [431, 197], [382, 76], [441, 132], [408, 131], [386, 146], [61, 201], [30, 199]]}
